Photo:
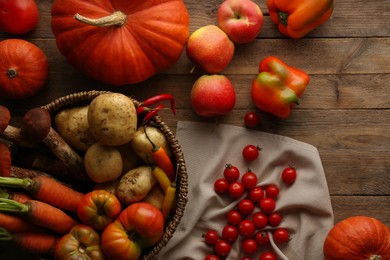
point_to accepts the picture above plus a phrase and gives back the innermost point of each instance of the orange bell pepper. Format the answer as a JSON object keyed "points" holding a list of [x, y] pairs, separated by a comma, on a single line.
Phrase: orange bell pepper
{"points": [[278, 86], [296, 18]]}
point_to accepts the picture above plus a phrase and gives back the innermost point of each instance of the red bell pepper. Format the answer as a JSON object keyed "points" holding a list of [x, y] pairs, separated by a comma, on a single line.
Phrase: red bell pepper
{"points": [[296, 18], [278, 86]]}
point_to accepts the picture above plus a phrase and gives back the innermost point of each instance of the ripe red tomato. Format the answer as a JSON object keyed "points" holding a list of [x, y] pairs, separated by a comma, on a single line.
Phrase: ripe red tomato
{"points": [[272, 191], [229, 233], [251, 119], [260, 220], [274, 219], [289, 175], [267, 256], [262, 238], [249, 246], [211, 237], [222, 248], [18, 16], [256, 194], [267, 205], [236, 190], [246, 228], [251, 152], [221, 186], [246, 207], [234, 217], [231, 173], [281, 235], [211, 257], [249, 180]]}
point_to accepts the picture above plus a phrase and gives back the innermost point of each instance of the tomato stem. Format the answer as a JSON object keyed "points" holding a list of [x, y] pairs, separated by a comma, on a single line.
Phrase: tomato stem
{"points": [[12, 73]]}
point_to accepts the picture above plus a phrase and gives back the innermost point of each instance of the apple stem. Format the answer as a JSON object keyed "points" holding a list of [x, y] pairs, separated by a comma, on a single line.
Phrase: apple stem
{"points": [[193, 69]]}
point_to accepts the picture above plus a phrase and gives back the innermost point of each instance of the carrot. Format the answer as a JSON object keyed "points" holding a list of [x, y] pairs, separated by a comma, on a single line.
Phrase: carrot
{"points": [[161, 159], [33, 242], [14, 224], [40, 213], [46, 189]]}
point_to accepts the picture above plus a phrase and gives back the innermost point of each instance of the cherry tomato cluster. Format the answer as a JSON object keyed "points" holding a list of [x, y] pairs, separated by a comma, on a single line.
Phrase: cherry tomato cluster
{"points": [[254, 213]]}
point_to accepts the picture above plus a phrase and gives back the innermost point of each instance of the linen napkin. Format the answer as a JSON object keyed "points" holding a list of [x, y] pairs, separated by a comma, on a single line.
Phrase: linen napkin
{"points": [[305, 205]]}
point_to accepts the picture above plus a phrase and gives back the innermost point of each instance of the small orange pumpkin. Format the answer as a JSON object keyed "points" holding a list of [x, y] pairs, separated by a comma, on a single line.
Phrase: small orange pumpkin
{"points": [[119, 41], [358, 238]]}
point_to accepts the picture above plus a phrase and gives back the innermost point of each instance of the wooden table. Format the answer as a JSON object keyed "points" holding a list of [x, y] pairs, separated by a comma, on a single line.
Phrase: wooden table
{"points": [[344, 111]]}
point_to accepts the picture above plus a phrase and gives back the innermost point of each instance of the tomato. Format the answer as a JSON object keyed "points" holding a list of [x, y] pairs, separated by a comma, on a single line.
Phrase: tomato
{"points": [[138, 226], [236, 190], [246, 207], [274, 219], [262, 238], [98, 208], [211, 257], [281, 235], [229, 233], [211, 237], [234, 217], [249, 246], [289, 175], [246, 228], [222, 248], [221, 186], [231, 173], [18, 16], [267, 256], [260, 220], [82, 242], [251, 152], [256, 194], [267, 205], [251, 119], [249, 180], [272, 191]]}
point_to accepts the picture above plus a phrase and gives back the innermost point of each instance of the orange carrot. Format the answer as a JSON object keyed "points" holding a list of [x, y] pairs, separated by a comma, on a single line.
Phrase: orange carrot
{"points": [[46, 189], [40, 213], [14, 224], [33, 242]]}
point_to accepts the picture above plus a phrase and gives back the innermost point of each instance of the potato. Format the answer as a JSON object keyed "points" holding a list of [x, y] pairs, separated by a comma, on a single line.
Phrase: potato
{"points": [[142, 146], [112, 119], [135, 185], [129, 158], [155, 197], [109, 186], [72, 125]]}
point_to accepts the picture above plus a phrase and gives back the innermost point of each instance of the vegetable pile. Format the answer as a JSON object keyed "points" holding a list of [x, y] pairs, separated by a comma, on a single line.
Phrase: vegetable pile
{"points": [[113, 192]]}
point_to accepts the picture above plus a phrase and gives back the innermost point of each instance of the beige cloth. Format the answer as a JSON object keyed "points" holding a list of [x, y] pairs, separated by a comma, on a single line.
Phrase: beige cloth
{"points": [[305, 206]]}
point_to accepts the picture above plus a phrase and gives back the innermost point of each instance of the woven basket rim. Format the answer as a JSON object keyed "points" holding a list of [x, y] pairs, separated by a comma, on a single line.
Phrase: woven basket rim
{"points": [[86, 97]]}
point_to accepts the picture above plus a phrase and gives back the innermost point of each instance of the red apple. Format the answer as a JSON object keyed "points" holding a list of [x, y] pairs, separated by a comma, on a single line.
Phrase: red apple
{"points": [[241, 20], [210, 48], [212, 96]]}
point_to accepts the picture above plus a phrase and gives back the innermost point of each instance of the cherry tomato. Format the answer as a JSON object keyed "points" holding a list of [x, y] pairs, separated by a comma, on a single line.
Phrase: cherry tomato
{"points": [[18, 16], [267, 256], [249, 246], [234, 217], [289, 175], [281, 235], [246, 228], [256, 194], [272, 191], [251, 152], [222, 248], [211, 237], [260, 220], [246, 207], [229, 233], [231, 173], [267, 205], [262, 238], [251, 119], [236, 190], [249, 180], [211, 257], [221, 186], [274, 219]]}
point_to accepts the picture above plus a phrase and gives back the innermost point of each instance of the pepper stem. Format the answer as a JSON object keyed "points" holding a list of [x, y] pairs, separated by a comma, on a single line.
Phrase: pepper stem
{"points": [[12, 73], [117, 18], [283, 17]]}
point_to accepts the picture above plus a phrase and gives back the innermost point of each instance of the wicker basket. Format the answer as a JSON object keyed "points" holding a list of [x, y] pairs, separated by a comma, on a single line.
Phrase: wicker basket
{"points": [[81, 98]]}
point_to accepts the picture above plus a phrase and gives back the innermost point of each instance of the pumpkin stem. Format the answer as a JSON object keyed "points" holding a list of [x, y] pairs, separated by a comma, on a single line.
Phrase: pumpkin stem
{"points": [[117, 18], [375, 257], [12, 73]]}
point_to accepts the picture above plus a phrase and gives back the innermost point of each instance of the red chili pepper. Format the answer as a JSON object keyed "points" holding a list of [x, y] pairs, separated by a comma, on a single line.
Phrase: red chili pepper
{"points": [[152, 112], [158, 98]]}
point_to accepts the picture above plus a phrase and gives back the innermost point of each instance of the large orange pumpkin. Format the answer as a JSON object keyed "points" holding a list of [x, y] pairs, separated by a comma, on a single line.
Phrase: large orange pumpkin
{"points": [[358, 238], [120, 41]]}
